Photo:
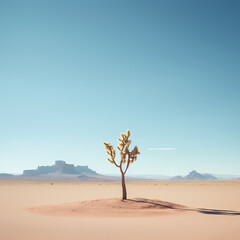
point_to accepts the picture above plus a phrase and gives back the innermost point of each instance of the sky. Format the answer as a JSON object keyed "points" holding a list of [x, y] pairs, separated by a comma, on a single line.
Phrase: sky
{"points": [[76, 73]]}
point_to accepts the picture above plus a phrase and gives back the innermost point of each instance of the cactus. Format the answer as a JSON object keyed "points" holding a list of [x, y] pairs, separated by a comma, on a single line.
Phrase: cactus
{"points": [[126, 157]]}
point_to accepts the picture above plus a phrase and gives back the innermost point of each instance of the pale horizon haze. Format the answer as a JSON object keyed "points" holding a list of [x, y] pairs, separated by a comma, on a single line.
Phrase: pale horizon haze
{"points": [[76, 73]]}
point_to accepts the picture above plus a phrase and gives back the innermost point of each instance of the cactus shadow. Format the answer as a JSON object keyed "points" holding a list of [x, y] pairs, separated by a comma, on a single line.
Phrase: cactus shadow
{"points": [[168, 205], [217, 212]]}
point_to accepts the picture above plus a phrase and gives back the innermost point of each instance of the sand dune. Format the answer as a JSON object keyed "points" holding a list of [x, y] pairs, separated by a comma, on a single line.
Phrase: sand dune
{"points": [[114, 207]]}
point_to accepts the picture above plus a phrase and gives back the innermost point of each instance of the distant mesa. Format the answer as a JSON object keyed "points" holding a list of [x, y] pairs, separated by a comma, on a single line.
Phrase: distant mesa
{"points": [[59, 172], [60, 168], [194, 175]]}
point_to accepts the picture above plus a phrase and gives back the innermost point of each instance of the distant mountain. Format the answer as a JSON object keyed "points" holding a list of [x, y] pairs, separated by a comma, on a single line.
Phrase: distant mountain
{"points": [[64, 172], [60, 168], [6, 175], [194, 175]]}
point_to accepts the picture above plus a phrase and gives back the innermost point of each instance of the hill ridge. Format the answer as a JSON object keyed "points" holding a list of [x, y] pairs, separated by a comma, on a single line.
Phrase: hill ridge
{"points": [[194, 175]]}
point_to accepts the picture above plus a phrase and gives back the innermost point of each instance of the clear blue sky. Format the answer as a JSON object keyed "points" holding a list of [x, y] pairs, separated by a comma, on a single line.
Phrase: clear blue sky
{"points": [[77, 73]]}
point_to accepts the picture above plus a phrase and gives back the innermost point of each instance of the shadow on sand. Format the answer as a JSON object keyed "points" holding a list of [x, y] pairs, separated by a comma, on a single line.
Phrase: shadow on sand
{"points": [[183, 208], [217, 211]]}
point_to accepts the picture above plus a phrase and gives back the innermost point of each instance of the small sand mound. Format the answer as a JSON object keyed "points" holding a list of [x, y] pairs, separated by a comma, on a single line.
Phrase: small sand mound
{"points": [[110, 208]]}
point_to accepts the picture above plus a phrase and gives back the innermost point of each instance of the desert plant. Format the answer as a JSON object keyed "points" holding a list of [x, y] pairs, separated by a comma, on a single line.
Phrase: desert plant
{"points": [[126, 157]]}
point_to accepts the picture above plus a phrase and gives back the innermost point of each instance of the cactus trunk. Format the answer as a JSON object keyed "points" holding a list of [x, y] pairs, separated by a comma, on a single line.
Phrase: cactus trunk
{"points": [[124, 190]]}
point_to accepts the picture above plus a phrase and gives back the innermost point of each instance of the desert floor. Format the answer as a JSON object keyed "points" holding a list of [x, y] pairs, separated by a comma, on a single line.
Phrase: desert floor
{"points": [[18, 223]]}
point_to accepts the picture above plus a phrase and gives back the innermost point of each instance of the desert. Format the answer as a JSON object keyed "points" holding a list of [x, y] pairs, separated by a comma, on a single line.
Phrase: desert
{"points": [[43, 210], [119, 120]]}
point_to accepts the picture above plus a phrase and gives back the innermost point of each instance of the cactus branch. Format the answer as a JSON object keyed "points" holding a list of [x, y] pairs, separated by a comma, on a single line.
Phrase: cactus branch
{"points": [[128, 163]]}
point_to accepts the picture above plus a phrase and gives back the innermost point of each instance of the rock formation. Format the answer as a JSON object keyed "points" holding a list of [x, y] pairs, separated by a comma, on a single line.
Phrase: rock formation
{"points": [[60, 167], [194, 175]]}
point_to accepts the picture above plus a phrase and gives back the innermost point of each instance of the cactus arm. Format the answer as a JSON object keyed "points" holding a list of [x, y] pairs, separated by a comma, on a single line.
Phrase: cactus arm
{"points": [[116, 164], [128, 163]]}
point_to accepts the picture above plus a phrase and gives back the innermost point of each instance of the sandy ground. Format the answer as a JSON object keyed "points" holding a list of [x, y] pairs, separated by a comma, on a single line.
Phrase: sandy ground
{"points": [[219, 218]]}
